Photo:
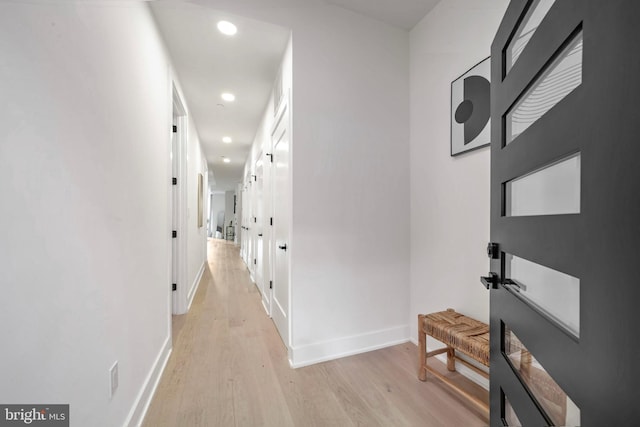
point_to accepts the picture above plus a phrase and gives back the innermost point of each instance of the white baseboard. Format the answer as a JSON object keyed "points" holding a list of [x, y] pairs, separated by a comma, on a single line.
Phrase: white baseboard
{"points": [[194, 286], [266, 309], [143, 400], [348, 346], [461, 368]]}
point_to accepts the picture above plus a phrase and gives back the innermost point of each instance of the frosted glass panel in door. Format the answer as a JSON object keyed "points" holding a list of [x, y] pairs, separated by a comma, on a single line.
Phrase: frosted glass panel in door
{"points": [[562, 76], [551, 190], [535, 14], [556, 294]]}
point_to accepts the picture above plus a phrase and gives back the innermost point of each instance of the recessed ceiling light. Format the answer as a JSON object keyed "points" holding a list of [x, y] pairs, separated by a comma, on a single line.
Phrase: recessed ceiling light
{"points": [[226, 27], [228, 97], [226, 160], [227, 140]]}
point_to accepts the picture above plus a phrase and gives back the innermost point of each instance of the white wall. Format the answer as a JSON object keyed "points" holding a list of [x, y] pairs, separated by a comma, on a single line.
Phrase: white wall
{"points": [[197, 236], [228, 209], [449, 196], [85, 172], [350, 147], [218, 203], [210, 220]]}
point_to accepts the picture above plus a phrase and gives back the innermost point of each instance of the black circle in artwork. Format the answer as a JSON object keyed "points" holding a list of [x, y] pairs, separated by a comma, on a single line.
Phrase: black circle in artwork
{"points": [[464, 111], [475, 109]]}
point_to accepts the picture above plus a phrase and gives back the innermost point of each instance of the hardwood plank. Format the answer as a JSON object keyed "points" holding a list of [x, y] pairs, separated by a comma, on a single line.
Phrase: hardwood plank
{"points": [[229, 367]]}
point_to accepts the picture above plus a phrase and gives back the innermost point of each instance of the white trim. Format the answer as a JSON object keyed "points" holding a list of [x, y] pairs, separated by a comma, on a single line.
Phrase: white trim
{"points": [[462, 369], [347, 346], [266, 309], [170, 204], [291, 250], [148, 390], [194, 285]]}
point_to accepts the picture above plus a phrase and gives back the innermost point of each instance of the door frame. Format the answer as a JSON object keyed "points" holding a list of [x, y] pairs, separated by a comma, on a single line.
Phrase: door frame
{"points": [[179, 296]]}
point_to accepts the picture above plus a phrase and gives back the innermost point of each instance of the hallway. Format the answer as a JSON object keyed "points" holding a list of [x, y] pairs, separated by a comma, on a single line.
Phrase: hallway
{"points": [[229, 368]]}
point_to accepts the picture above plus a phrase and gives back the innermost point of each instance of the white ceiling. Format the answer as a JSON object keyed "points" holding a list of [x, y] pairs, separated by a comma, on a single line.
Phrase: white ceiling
{"points": [[399, 13], [209, 63]]}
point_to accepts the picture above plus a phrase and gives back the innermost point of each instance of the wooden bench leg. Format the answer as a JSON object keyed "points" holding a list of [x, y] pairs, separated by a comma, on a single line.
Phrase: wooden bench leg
{"points": [[451, 358], [422, 350]]}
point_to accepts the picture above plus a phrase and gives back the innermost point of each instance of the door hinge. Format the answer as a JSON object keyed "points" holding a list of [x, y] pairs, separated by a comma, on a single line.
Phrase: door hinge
{"points": [[174, 234], [255, 261], [255, 219], [255, 178], [271, 221], [174, 287], [175, 128], [270, 284], [174, 181]]}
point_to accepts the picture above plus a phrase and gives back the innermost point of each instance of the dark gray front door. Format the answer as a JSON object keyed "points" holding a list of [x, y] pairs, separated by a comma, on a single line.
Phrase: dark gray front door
{"points": [[565, 214]]}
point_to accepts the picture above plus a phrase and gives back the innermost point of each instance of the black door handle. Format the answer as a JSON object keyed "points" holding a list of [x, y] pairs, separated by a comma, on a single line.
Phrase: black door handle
{"points": [[260, 235], [283, 247], [490, 281]]}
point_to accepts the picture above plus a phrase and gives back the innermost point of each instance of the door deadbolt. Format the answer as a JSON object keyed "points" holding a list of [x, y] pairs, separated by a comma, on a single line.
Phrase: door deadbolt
{"points": [[493, 250]]}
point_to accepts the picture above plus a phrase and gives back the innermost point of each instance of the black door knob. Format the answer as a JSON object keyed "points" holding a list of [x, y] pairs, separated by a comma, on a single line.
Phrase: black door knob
{"points": [[283, 247]]}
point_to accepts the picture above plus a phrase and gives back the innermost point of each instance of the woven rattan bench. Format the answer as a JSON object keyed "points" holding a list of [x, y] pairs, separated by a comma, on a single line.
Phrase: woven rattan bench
{"points": [[457, 332]]}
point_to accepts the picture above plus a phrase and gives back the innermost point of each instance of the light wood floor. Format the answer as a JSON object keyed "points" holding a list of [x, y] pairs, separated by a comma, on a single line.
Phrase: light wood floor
{"points": [[229, 368]]}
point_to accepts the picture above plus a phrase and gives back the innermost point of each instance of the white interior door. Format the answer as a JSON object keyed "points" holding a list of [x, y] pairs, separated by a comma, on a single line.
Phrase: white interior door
{"points": [[258, 226], [245, 224], [251, 229], [280, 310], [267, 230]]}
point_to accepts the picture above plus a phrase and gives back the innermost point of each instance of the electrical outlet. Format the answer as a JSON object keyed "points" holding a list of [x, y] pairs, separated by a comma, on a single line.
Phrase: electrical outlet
{"points": [[113, 379]]}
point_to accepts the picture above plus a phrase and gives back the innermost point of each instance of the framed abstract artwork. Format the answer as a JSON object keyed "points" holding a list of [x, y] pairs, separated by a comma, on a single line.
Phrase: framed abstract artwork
{"points": [[471, 109]]}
